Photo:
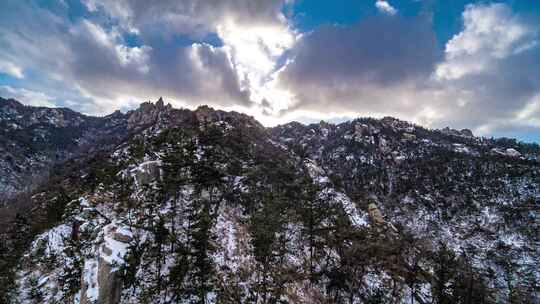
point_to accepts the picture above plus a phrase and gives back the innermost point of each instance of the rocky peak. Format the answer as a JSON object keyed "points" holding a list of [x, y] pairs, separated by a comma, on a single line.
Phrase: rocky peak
{"points": [[148, 113], [160, 103], [208, 114]]}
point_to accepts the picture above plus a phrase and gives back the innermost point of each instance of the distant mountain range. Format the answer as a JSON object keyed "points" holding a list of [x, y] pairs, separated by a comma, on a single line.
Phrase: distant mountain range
{"points": [[164, 205]]}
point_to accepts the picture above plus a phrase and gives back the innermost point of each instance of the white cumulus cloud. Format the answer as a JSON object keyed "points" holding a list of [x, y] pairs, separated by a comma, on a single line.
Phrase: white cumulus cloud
{"points": [[385, 7], [490, 33]]}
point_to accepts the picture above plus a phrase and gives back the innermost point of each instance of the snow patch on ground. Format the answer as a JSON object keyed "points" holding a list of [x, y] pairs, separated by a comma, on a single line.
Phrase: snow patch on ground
{"points": [[232, 239], [53, 239], [117, 249], [318, 175], [90, 277]]}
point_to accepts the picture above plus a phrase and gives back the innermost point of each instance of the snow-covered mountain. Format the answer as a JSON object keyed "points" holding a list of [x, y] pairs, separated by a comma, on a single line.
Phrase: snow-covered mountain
{"points": [[33, 139], [207, 206]]}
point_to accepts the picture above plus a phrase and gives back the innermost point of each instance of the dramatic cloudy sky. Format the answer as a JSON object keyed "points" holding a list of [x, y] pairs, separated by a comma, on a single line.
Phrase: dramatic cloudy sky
{"points": [[465, 64]]}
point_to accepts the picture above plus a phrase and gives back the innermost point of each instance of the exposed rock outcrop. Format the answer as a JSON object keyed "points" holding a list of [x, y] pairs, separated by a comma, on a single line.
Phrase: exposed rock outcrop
{"points": [[147, 114], [146, 172], [102, 282], [110, 284], [375, 214]]}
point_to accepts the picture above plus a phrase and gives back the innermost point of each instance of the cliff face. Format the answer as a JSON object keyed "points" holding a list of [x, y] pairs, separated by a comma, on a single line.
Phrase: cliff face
{"points": [[209, 206]]}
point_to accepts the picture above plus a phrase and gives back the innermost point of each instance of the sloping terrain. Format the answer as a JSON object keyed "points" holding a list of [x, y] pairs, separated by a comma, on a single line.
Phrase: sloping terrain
{"points": [[33, 139], [208, 206]]}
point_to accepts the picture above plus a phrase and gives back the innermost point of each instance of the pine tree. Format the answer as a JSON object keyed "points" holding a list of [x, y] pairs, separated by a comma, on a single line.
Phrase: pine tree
{"points": [[72, 265], [444, 274]]}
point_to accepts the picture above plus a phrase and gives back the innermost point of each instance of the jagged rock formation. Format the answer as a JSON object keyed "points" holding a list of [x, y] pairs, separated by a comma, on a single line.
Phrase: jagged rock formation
{"points": [[208, 206], [148, 114]]}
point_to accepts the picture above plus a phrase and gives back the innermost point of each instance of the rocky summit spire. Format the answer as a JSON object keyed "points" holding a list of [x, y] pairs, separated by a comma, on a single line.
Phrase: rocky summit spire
{"points": [[147, 113], [160, 102]]}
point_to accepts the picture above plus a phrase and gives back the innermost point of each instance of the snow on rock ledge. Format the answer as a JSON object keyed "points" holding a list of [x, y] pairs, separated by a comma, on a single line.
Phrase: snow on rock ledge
{"points": [[101, 281]]}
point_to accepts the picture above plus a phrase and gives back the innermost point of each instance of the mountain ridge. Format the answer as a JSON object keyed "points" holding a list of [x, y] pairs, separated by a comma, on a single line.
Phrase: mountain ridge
{"points": [[209, 206]]}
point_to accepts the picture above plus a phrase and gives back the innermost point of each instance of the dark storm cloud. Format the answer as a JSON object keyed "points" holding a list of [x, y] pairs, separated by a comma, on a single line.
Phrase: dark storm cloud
{"points": [[342, 61], [381, 50]]}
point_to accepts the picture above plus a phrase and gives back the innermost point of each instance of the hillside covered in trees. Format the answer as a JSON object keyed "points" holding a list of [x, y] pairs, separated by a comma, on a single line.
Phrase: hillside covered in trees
{"points": [[206, 206]]}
